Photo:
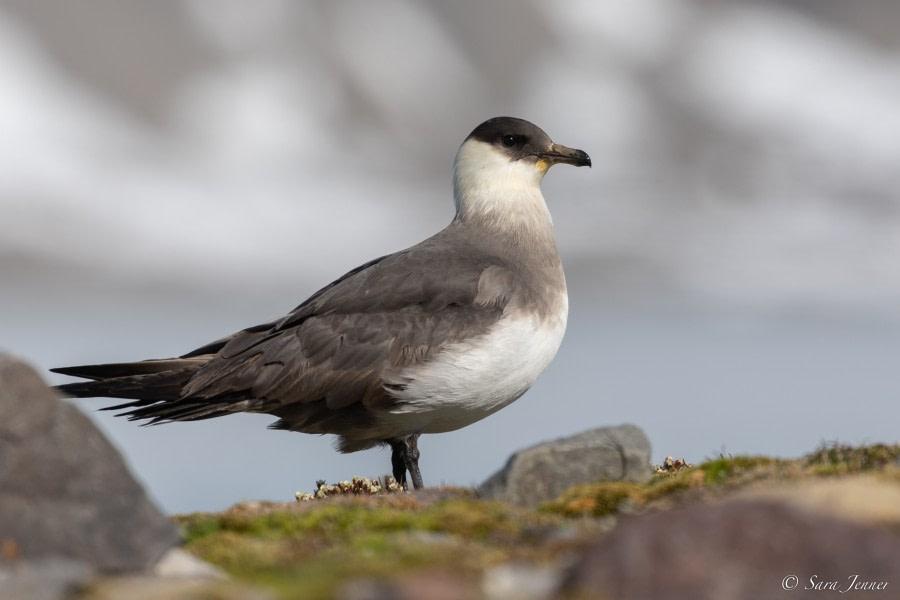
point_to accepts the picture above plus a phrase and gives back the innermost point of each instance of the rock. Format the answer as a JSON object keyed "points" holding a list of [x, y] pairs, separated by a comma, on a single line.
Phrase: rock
{"points": [[42, 579], [178, 564], [738, 549], [415, 585], [65, 493], [155, 588], [867, 498], [541, 473], [520, 581]]}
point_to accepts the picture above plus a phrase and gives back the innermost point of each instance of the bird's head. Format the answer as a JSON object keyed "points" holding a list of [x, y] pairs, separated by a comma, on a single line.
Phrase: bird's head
{"points": [[500, 165]]}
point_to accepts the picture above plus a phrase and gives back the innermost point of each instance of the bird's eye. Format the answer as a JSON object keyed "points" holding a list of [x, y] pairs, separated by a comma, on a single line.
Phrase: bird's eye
{"points": [[509, 140]]}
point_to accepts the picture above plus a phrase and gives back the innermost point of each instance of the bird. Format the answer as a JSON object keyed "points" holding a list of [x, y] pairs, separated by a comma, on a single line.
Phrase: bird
{"points": [[427, 340]]}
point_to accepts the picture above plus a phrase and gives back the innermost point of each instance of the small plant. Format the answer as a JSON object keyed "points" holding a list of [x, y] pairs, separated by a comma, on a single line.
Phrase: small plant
{"points": [[843, 458], [671, 466], [723, 469], [359, 486], [597, 499]]}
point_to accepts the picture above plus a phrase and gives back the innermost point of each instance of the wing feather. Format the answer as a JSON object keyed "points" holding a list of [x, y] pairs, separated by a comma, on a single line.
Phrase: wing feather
{"points": [[342, 346], [342, 355]]}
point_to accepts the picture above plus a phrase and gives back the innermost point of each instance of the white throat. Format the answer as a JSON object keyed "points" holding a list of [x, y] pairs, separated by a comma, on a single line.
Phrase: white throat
{"points": [[502, 195]]}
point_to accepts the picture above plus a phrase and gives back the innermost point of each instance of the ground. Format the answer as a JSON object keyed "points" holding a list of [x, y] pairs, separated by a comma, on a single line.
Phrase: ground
{"points": [[435, 540]]}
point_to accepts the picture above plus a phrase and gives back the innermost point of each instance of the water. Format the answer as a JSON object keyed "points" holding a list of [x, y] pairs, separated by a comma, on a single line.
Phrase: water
{"points": [[699, 383]]}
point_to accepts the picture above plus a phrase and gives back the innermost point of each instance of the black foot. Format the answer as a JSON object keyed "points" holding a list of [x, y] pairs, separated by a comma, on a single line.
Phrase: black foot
{"points": [[405, 457]]}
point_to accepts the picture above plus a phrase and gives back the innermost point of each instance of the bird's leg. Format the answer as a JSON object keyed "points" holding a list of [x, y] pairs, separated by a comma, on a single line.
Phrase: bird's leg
{"points": [[398, 460], [412, 460], [405, 457]]}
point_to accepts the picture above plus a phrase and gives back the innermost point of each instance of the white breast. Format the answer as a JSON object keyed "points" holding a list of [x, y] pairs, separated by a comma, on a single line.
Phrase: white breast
{"points": [[474, 378]]}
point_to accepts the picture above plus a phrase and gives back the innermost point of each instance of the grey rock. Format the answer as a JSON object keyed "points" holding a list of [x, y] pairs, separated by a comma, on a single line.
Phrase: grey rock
{"points": [[520, 581], [42, 579], [138, 587], [540, 473], [65, 491], [178, 564], [738, 549]]}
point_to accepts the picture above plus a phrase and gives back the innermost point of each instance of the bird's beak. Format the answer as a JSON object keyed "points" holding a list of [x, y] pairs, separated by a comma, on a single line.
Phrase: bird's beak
{"points": [[557, 153]]}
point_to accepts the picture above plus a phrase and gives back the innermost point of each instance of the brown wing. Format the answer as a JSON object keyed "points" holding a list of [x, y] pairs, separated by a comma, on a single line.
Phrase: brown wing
{"points": [[333, 351]]}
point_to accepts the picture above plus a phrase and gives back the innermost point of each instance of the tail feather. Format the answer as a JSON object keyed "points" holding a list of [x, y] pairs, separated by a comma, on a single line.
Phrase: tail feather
{"points": [[131, 369], [153, 387], [149, 388], [182, 410]]}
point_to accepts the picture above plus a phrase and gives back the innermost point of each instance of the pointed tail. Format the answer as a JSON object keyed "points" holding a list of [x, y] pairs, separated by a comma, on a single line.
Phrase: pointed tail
{"points": [[154, 388]]}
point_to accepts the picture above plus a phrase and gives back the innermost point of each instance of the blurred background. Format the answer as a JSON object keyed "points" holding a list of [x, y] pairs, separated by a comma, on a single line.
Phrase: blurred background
{"points": [[171, 172]]}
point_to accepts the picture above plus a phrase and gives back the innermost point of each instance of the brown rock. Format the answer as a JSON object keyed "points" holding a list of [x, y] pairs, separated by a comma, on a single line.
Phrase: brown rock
{"points": [[736, 550], [867, 498]]}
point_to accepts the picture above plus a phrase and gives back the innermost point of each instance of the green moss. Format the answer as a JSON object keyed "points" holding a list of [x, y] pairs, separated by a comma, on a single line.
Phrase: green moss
{"points": [[605, 498], [665, 485], [309, 550], [198, 525], [725, 469], [596, 499], [837, 458], [609, 497]]}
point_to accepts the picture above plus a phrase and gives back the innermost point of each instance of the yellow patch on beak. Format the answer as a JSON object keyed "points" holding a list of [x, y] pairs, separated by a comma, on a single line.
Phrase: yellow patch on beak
{"points": [[543, 165]]}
